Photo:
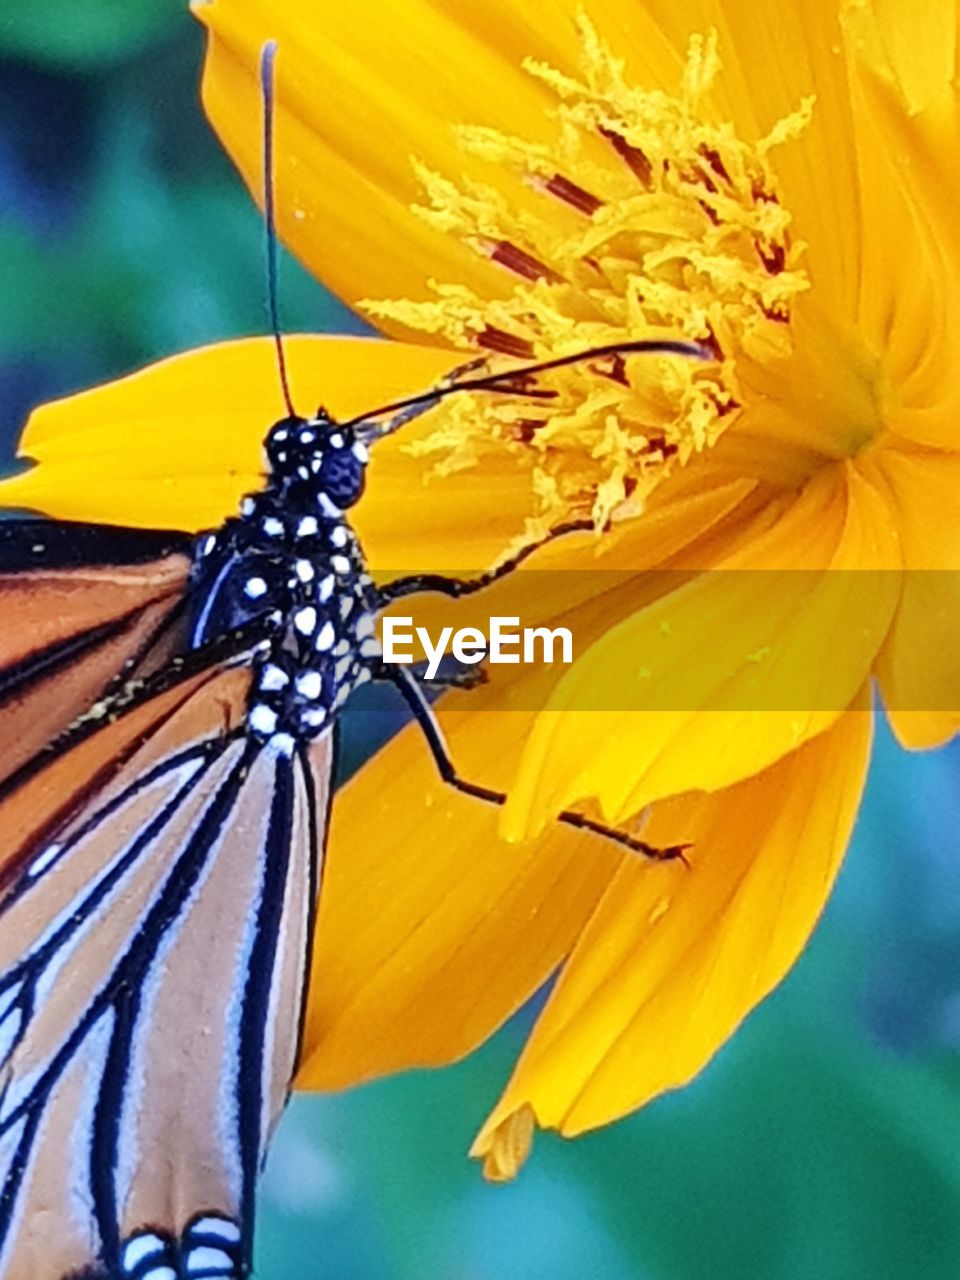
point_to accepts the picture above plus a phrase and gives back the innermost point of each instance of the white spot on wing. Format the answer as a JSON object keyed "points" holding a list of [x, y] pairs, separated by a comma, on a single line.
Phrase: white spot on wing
{"points": [[204, 1257], [45, 859], [220, 1227], [139, 1248]]}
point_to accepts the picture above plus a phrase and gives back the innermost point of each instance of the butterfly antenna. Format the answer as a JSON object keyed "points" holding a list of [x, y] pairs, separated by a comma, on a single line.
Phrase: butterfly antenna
{"points": [[509, 381], [267, 59]]}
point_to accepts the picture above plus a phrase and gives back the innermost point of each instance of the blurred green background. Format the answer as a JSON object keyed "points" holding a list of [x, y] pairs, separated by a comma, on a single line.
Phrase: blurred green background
{"points": [[825, 1141]]}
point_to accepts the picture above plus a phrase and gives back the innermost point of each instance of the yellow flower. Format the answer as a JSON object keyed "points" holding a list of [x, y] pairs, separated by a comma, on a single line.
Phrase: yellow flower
{"points": [[774, 181]]}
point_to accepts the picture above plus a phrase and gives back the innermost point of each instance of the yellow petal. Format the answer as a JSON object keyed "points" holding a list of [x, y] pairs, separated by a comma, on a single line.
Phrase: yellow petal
{"points": [[775, 55], [356, 99], [903, 84], [918, 668], [674, 959], [432, 931], [176, 445], [395, 84], [720, 678]]}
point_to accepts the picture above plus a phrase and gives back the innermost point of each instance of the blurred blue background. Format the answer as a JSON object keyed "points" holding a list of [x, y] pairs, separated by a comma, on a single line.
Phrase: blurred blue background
{"points": [[825, 1140]]}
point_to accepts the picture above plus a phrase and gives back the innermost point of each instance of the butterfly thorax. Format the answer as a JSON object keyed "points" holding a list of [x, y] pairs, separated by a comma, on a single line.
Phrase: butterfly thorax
{"points": [[290, 568]]}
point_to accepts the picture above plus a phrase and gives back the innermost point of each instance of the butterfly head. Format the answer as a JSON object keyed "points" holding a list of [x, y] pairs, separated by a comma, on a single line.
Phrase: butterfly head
{"points": [[319, 452]]}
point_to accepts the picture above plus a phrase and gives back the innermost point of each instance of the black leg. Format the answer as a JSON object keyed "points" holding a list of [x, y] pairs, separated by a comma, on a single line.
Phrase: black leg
{"points": [[456, 587], [457, 675], [416, 700]]}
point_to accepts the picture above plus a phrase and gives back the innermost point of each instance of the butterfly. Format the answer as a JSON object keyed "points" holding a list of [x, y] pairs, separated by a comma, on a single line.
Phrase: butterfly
{"points": [[168, 718]]}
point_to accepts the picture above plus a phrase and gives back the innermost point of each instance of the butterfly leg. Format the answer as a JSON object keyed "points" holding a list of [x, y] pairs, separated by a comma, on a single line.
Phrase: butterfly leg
{"points": [[452, 675], [417, 701], [442, 584]]}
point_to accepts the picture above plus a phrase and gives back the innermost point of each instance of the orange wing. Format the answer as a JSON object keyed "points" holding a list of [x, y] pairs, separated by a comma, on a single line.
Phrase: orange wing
{"points": [[153, 946], [80, 604]]}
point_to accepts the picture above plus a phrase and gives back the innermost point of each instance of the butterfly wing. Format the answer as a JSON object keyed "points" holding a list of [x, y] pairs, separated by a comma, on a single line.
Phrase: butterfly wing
{"points": [[80, 604], [153, 947]]}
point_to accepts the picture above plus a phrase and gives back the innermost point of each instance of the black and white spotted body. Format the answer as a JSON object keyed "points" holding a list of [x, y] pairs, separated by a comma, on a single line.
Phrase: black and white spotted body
{"points": [[291, 564]]}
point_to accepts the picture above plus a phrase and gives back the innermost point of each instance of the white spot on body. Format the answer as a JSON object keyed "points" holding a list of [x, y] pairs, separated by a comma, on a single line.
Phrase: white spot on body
{"points": [[255, 588], [315, 716], [247, 507], [305, 571], [310, 684], [336, 440], [283, 744], [340, 564], [305, 620], [272, 527], [307, 436], [273, 677], [207, 545], [326, 504], [307, 527], [325, 590], [361, 452], [338, 536], [326, 637], [262, 718]]}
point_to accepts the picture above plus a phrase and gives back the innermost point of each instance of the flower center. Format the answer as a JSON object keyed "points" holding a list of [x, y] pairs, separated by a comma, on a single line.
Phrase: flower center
{"points": [[651, 219]]}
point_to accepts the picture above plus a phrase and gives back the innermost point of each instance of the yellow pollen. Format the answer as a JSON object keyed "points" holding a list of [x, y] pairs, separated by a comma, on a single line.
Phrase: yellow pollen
{"points": [[652, 219]]}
